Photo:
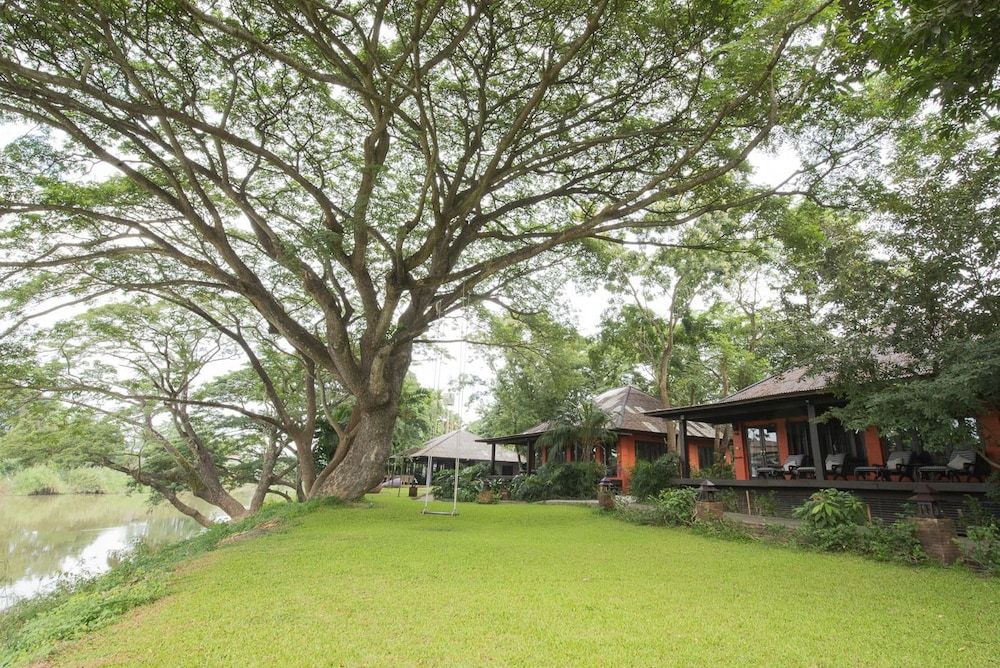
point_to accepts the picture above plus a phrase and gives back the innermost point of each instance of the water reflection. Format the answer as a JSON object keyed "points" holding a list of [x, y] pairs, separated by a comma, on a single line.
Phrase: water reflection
{"points": [[52, 538]]}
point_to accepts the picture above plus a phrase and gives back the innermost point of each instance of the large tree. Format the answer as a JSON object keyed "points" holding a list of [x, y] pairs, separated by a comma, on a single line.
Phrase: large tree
{"points": [[356, 170]]}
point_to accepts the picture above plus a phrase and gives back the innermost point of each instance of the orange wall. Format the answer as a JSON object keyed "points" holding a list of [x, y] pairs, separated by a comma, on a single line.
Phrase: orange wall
{"points": [[626, 459], [740, 462]]}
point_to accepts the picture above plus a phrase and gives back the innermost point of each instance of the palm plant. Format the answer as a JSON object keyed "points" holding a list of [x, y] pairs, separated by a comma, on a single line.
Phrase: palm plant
{"points": [[579, 423]]}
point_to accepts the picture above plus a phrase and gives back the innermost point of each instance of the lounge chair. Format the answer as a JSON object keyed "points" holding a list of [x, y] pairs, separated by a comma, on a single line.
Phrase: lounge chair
{"points": [[898, 463], [961, 462], [833, 467], [792, 463]]}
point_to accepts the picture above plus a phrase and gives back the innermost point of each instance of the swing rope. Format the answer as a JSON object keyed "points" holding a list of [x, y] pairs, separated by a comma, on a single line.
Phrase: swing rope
{"points": [[461, 424]]}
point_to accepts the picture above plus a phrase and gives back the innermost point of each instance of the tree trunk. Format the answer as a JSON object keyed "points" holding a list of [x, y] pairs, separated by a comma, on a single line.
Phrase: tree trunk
{"points": [[363, 466]]}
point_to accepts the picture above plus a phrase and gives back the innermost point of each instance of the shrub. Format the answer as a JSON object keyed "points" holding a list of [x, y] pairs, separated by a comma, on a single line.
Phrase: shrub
{"points": [[831, 508], [559, 481], [675, 505], [765, 503], [720, 470], [984, 550], [85, 481], [896, 542], [37, 480], [651, 478], [468, 482], [840, 538], [973, 514], [722, 528]]}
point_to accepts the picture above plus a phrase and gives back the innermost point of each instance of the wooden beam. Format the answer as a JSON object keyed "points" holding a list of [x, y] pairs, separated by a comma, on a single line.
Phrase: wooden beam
{"points": [[531, 457], [493, 458], [817, 453]]}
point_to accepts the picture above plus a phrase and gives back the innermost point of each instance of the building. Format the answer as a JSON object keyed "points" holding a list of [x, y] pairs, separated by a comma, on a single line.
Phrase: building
{"points": [[640, 437], [468, 448], [779, 417]]}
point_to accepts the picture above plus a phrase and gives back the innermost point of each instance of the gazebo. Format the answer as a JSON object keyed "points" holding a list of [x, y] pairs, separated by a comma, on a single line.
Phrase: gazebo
{"points": [[461, 444]]}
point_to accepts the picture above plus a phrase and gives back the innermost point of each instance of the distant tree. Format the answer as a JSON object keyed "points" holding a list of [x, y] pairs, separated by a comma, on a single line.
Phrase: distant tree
{"points": [[913, 319], [536, 364]]}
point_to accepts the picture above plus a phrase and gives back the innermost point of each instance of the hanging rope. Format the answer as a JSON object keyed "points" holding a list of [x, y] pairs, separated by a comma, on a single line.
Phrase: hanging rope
{"points": [[461, 420]]}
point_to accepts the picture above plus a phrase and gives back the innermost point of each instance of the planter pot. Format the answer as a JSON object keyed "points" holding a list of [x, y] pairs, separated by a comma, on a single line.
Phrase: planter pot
{"points": [[605, 500], [505, 495], [485, 496]]}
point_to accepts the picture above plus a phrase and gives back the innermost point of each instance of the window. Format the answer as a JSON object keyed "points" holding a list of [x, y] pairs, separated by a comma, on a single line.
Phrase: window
{"points": [[798, 438], [834, 438], [706, 456], [647, 451], [762, 447]]}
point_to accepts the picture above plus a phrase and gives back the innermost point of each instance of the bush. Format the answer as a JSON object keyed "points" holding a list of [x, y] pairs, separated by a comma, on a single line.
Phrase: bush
{"points": [[984, 550], [651, 478], [469, 482], [86, 481], [559, 481], [720, 470], [895, 542], [831, 508], [37, 480], [841, 538], [675, 505]]}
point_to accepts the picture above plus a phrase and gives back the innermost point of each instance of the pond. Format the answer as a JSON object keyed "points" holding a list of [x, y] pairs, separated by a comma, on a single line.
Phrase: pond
{"points": [[50, 538]]}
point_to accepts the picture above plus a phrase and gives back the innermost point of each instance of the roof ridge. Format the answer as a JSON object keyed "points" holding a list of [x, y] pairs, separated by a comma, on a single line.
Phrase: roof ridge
{"points": [[762, 380]]}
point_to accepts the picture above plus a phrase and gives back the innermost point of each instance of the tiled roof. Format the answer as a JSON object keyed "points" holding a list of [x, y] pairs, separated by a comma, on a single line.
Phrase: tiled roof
{"points": [[462, 444], [793, 381], [627, 407]]}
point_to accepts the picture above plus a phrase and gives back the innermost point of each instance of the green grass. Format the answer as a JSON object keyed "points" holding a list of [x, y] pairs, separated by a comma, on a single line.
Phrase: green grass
{"points": [[528, 585]]}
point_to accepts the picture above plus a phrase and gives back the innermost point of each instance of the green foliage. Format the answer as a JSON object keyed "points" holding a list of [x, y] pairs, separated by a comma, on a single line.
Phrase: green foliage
{"points": [[973, 514], [675, 505], [650, 478], [984, 550], [470, 479], [723, 529], [537, 366], [48, 432], [92, 480], [764, 503], [37, 480], [896, 542], [576, 480], [831, 509], [720, 470]]}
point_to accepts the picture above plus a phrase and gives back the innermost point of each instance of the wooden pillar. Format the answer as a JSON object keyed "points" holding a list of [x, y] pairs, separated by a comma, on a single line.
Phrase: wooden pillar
{"points": [[814, 448], [493, 458], [531, 457], [683, 447]]}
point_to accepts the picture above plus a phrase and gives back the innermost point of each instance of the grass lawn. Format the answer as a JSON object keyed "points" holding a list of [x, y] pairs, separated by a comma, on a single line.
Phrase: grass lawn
{"points": [[531, 585]]}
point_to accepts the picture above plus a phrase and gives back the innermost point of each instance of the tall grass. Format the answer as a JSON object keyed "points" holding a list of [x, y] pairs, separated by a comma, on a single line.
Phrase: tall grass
{"points": [[37, 480], [43, 479]]}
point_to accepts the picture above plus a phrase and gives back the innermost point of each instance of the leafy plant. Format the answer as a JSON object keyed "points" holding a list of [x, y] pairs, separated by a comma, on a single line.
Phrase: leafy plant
{"points": [[831, 508], [675, 505], [974, 515], [984, 547], [765, 503], [651, 478], [577, 480], [895, 542], [469, 482], [85, 480], [720, 470]]}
